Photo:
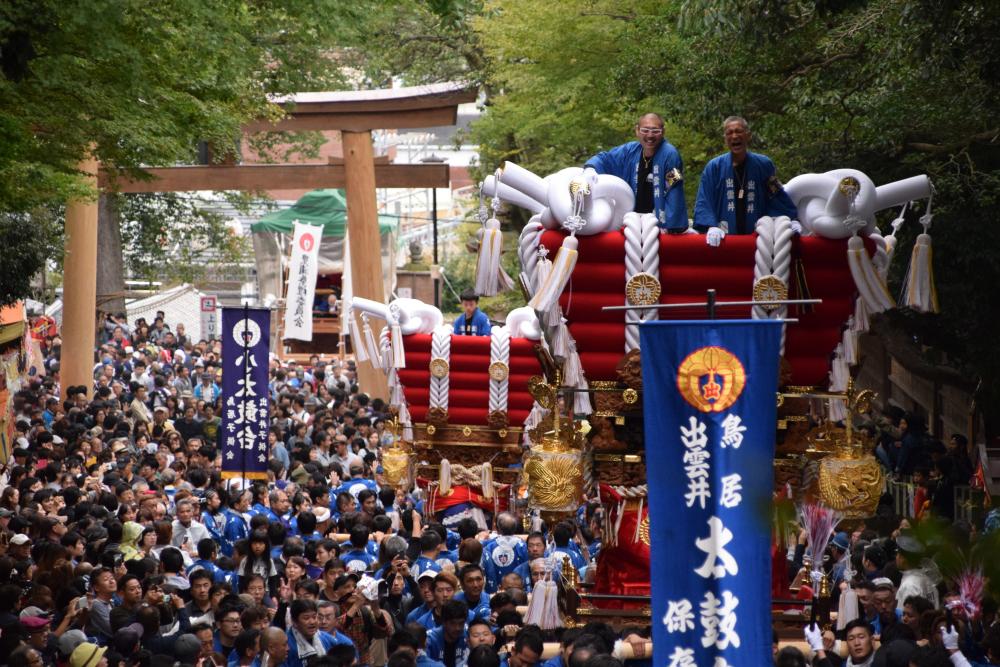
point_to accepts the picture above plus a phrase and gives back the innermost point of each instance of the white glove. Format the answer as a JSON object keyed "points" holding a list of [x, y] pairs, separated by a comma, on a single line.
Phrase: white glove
{"points": [[814, 637], [949, 638], [797, 227], [714, 237], [690, 230]]}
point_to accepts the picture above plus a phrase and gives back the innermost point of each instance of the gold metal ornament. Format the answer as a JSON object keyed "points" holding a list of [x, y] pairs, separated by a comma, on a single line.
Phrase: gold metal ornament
{"points": [[851, 486], [499, 371], [467, 431], [642, 289], [849, 186], [431, 429], [396, 467], [542, 391], [711, 364], [644, 531], [630, 396], [439, 368], [555, 481], [674, 177], [770, 288]]}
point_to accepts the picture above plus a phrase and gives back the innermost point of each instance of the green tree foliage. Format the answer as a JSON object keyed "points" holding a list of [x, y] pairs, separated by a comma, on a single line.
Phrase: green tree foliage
{"points": [[141, 83], [891, 87], [170, 236]]}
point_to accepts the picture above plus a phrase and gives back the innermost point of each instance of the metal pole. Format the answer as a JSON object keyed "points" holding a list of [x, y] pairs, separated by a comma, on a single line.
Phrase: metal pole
{"points": [[711, 304], [246, 384], [434, 223]]}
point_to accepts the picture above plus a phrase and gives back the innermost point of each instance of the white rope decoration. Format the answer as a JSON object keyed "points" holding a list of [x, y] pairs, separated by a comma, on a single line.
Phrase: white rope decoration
{"points": [[527, 251], [642, 255], [763, 257], [440, 349], [372, 348], [781, 266], [499, 352]]}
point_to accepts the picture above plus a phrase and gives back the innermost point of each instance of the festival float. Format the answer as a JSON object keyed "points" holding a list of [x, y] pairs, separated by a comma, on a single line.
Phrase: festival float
{"points": [[558, 387]]}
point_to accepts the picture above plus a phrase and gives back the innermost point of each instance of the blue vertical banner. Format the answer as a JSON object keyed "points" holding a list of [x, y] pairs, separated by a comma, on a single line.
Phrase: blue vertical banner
{"points": [[709, 414], [246, 334]]}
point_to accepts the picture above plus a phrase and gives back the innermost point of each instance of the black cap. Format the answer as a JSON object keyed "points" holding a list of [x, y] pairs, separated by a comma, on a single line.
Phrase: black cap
{"points": [[469, 295]]}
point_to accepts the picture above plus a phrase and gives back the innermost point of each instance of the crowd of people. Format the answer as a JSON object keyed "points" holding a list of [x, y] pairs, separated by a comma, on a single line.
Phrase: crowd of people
{"points": [[122, 544]]}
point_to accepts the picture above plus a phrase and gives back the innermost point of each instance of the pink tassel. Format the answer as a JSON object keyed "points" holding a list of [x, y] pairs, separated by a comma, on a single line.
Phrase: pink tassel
{"points": [[971, 588], [818, 522]]}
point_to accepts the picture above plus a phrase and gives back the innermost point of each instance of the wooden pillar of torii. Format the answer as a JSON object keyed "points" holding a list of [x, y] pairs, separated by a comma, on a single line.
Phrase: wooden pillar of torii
{"points": [[356, 114]]}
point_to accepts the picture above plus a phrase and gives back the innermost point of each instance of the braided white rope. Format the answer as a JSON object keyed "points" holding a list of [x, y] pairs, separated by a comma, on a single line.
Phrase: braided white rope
{"points": [[650, 254], [499, 351], [642, 255], [632, 491], [781, 266], [440, 349], [527, 250], [633, 265], [763, 257]]}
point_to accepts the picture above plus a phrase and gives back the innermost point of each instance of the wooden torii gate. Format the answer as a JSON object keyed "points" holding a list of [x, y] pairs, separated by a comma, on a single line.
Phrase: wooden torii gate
{"points": [[355, 114]]}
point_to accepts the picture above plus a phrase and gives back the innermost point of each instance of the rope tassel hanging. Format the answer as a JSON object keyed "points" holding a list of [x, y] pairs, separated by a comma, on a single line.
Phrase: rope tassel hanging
{"points": [[491, 279], [919, 291], [547, 296]]}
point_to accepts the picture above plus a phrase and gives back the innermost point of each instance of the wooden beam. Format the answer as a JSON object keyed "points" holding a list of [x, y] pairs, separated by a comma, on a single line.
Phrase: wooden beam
{"points": [[274, 177], [363, 241], [80, 289], [377, 101], [358, 121]]}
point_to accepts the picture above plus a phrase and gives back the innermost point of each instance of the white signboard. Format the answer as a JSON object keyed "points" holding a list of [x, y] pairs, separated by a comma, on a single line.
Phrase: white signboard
{"points": [[302, 282], [209, 318]]}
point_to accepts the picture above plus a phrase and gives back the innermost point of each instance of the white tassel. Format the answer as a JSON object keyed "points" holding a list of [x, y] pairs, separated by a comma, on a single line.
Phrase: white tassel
{"points": [[542, 269], [847, 609], [870, 285], [574, 377], [444, 488], [839, 375], [487, 480], [850, 341], [562, 269], [550, 619], [357, 338], [396, 341], [488, 262], [560, 340], [861, 318], [918, 288], [533, 615], [373, 351]]}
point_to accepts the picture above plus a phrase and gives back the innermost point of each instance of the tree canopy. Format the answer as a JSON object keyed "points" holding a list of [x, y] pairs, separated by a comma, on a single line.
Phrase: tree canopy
{"points": [[891, 87], [141, 83]]}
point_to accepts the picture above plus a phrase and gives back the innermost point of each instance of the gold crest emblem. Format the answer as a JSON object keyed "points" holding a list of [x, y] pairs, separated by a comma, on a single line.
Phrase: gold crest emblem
{"points": [[439, 368], [723, 374], [642, 289], [770, 288], [499, 371]]}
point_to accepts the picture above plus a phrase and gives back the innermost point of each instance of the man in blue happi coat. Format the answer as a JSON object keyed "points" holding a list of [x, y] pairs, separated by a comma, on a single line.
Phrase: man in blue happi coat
{"points": [[653, 167], [738, 187], [472, 322]]}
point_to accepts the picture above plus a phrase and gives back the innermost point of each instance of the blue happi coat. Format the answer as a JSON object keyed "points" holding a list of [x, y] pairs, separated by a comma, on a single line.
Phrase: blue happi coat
{"points": [[718, 190], [480, 325], [668, 200]]}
